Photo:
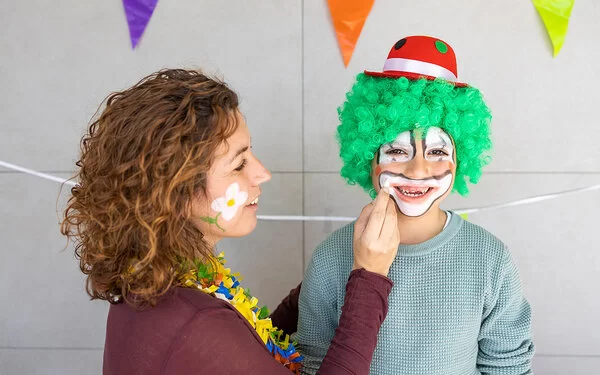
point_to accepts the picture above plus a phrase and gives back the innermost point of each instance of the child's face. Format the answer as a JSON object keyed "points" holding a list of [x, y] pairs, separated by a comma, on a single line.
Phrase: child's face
{"points": [[420, 169]]}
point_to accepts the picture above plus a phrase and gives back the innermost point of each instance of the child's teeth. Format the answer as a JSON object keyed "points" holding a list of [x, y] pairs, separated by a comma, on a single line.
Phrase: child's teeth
{"points": [[414, 193]]}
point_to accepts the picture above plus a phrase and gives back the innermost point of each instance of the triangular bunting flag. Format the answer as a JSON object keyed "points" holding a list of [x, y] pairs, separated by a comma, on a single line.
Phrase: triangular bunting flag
{"points": [[348, 19], [138, 13], [555, 14]]}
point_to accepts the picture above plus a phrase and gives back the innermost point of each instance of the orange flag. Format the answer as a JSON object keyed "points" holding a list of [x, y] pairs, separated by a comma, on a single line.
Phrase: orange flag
{"points": [[349, 16]]}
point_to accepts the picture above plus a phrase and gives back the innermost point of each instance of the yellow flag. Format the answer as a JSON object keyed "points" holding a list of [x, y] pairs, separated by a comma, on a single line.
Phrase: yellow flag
{"points": [[555, 14]]}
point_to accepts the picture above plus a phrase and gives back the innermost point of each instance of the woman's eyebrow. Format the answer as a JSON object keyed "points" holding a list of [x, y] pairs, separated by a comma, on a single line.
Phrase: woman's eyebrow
{"points": [[238, 153]]}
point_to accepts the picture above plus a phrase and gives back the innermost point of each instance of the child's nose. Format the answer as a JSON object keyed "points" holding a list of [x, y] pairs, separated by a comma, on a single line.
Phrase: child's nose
{"points": [[417, 168]]}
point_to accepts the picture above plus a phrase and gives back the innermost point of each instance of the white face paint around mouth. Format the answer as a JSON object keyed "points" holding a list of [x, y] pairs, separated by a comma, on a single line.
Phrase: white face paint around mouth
{"points": [[415, 197]]}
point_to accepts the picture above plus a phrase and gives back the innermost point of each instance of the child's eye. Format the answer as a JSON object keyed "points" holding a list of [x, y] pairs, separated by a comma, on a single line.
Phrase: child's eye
{"points": [[396, 151], [238, 169], [438, 152]]}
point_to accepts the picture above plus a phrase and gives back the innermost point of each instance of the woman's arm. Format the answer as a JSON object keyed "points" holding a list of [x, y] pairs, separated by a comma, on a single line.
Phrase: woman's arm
{"points": [[219, 340], [364, 310]]}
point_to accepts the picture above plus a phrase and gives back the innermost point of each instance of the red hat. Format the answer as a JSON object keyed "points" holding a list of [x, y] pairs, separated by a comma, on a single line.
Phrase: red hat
{"points": [[419, 56]]}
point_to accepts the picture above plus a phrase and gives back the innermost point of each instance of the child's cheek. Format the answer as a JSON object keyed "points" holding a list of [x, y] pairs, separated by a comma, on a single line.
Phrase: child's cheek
{"points": [[378, 170], [440, 167]]}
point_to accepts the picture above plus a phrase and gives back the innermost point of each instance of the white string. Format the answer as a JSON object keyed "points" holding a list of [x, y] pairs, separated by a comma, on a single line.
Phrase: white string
{"points": [[535, 199], [305, 218], [37, 174]]}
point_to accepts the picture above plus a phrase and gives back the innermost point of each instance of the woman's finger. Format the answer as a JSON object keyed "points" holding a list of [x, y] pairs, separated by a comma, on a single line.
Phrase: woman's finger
{"points": [[363, 218], [390, 226], [377, 217]]}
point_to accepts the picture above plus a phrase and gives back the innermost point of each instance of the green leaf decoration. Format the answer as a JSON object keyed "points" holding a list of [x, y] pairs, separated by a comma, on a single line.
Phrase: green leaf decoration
{"points": [[263, 313], [213, 220]]}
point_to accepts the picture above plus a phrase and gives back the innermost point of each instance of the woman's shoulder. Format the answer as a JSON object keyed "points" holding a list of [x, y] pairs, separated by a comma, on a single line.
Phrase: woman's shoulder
{"points": [[196, 299], [178, 309], [177, 306], [178, 330]]}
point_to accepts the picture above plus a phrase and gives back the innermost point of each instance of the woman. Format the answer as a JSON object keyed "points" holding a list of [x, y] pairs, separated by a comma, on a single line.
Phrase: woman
{"points": [[166, 171]]}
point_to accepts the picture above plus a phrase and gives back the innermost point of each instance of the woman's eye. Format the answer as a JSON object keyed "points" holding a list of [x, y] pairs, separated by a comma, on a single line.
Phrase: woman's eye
{"points": [[438, 152], [238, 169]]}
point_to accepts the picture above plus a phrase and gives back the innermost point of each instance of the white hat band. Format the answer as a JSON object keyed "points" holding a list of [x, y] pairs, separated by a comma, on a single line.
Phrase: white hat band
{"points": [[418, 67]]}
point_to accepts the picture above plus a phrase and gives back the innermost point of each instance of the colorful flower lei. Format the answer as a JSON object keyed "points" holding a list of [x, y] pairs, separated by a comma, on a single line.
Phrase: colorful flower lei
{"points": [[213, 278]]}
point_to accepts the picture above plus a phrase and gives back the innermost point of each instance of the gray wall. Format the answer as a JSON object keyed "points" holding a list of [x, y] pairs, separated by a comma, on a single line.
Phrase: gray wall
{"points": [[60, 59]]}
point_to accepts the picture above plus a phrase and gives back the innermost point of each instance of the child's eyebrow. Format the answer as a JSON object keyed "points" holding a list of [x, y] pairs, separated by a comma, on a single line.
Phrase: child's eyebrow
{"points": [[399, 144], [438, 144]]}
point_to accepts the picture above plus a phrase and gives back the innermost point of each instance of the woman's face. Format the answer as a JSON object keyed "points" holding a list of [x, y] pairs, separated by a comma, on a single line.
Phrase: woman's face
{"points": [[228, 209]]}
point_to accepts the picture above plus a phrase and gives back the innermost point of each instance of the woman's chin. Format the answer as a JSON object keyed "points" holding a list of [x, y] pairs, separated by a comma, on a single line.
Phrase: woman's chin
{"points": [[243, 227]]}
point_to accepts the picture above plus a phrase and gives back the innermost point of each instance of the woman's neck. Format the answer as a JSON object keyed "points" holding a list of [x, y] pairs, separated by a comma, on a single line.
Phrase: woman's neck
{"points": [[212, 243], [414, 230]]}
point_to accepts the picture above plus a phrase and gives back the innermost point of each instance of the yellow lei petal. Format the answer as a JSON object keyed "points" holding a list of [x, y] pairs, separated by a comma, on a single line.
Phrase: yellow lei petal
{"points": [[264, 328]]}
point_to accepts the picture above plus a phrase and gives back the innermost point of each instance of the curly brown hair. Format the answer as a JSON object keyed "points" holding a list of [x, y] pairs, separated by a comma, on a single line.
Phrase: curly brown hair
{"points": [[142, 161]]}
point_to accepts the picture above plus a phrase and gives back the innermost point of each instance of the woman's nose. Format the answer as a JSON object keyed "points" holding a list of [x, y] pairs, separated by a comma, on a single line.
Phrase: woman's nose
{"points": [[262, 174]]}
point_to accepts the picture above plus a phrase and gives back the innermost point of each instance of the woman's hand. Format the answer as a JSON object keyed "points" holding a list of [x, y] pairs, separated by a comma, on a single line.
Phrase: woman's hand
{"points": [[376, 235]]}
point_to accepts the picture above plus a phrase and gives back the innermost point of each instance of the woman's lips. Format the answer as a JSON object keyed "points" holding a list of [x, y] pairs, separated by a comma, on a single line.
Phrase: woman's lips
{"points": [[253, 204]]}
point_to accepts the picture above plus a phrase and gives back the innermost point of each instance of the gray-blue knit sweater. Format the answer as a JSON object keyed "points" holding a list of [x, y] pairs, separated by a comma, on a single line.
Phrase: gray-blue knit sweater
{"points": [[456, 307]]}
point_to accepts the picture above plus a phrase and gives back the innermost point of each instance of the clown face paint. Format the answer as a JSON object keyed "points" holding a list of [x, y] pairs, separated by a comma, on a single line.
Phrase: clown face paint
{"points": [[400, 150], [438, 146], [415, 197], [431, 158]]}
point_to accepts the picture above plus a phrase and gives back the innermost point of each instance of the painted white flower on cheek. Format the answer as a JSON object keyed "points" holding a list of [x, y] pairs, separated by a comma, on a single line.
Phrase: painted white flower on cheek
{"points": [[228, 205]]}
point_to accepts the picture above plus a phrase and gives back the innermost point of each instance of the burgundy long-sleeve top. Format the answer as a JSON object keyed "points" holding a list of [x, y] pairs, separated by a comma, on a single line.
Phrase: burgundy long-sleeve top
{"points": [[190, 332]]}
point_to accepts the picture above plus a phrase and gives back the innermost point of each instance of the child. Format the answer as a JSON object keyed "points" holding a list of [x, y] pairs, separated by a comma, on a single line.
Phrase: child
{"points": [[456, 306]]}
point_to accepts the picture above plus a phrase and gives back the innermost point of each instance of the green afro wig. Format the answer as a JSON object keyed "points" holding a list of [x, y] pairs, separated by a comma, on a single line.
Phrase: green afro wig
{"points": [[377, 109]]}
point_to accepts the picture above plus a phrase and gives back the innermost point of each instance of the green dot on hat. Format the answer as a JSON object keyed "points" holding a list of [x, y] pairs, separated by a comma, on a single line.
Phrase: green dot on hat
{"points": [[441, 46]]}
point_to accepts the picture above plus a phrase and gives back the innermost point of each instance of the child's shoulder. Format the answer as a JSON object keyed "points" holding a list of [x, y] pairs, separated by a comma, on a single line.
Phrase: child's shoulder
{"points": [[337, 247], [479, 240]]}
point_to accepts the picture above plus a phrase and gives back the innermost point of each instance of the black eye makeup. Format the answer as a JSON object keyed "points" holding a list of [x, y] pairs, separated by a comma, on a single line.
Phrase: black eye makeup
{"points": [[438, 152], [437, 145], [396, 151], [402, 149]]}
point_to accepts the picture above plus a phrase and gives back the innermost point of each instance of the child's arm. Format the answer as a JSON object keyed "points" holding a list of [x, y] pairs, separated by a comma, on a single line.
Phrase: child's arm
{"points": [[505, 340]]}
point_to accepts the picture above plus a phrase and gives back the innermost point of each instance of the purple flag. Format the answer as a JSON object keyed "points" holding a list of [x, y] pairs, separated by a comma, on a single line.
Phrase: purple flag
{"points": [[138, 14]]}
